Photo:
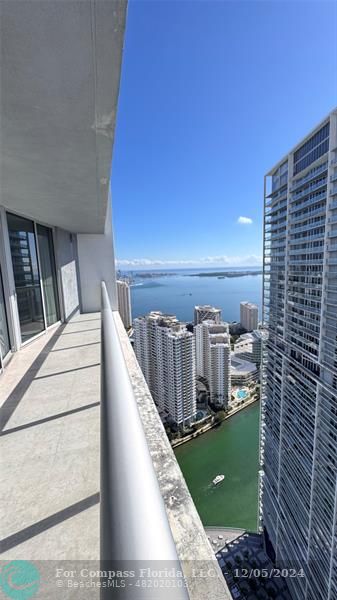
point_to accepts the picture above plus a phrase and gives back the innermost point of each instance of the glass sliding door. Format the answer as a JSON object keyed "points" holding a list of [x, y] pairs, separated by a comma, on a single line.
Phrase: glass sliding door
{"points": [[48, 273], [4, 335], [26, 275]]}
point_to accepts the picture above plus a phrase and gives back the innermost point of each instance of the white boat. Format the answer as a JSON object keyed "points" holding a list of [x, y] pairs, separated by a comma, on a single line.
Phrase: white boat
{"points": [[218, 479]]}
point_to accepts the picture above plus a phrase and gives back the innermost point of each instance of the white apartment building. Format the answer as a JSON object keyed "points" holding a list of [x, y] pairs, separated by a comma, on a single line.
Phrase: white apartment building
{"points": [[206, 312], [299, 400], [212, 343], [166, 353], [124, 302], [249, 346], [249, 315]]}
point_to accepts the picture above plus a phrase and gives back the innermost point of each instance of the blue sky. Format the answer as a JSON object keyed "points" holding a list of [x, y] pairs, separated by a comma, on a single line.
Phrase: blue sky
{"points": [[213, 93]]}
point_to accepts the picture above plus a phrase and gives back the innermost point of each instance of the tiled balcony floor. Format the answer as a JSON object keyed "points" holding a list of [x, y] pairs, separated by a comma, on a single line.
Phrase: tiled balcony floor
{"points": [[49, 398]]}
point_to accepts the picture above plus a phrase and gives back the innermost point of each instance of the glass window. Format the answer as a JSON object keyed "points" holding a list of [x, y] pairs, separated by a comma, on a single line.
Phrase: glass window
{"points": [[48, 273], [4, 336], [26, 275]]}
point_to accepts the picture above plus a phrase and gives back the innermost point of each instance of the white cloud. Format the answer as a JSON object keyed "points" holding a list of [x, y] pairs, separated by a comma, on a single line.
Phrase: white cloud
{"points": [[251, 260], [245, 220]]}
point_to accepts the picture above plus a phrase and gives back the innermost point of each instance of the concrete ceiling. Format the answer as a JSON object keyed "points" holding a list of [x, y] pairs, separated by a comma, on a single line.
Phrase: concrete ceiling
{"points": [[60, 71]]}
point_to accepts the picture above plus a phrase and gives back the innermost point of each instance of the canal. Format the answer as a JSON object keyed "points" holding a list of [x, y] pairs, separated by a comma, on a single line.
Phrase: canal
{"points": [[232, 450]]}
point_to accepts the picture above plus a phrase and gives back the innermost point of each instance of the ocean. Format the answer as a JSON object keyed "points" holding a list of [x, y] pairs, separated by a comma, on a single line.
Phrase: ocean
{"points": [[176, 292]]}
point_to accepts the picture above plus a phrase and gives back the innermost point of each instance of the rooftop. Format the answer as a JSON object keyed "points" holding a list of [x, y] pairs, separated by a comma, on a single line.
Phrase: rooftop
{"points": [[249, 304], [241, 366], [299, 144], [207, 307], [257, 334]]}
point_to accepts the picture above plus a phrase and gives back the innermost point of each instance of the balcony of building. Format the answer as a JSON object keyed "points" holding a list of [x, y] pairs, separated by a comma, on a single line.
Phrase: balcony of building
{"points": [[49, 397], [75, 486], [52, 457]]}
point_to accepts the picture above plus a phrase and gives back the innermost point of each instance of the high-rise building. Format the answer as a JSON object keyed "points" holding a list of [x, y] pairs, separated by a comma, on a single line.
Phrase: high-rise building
{"points": [[206, 312], [249, 346], [166, 353], [124, 302], [213, 349], [299, 400], [249, 315]]}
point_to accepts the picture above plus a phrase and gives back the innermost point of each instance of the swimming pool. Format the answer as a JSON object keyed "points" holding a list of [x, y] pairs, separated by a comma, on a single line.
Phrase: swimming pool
{"points": [[241, 394]]}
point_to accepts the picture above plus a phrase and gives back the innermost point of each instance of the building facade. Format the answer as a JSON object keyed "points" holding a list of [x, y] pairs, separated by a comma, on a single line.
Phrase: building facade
{"points": [[299, 400], [166, 353], [243, 372], [249, 346], [212, 343], [206, 312], [124, 302], [249, 315]]}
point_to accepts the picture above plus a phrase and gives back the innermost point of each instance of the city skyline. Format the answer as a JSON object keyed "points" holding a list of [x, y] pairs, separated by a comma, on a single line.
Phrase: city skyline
{"points": [[188, 64]]}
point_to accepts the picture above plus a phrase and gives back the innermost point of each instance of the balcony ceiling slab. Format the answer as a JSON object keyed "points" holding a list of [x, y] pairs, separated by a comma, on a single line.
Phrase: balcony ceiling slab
{"points": [[60, 70]]}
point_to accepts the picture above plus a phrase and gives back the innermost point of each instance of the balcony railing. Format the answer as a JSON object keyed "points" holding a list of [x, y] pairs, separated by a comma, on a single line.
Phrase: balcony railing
{"points": [[134, 524], [148, 517], [311, 175], [309, 190]]}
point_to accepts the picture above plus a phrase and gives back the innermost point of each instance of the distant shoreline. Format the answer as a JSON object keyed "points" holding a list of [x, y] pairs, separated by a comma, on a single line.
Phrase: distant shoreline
{"points": [[153, 274], [224, 274], [220, 274]]}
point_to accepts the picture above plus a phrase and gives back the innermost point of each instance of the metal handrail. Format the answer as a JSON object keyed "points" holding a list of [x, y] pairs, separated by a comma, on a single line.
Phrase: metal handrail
{"points": [[133, 520]]}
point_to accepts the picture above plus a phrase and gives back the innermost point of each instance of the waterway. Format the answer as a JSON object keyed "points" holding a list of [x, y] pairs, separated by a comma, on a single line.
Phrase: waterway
{"points": [[230, 449], [177, 293]]}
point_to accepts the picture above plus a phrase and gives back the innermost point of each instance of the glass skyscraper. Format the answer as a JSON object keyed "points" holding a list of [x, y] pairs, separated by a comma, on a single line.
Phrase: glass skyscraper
{"points": [[298, 494]]}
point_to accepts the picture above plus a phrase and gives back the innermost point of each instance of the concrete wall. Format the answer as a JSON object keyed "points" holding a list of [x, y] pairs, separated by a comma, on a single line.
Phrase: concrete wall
{"points": [[97, 263], [67, 272]]}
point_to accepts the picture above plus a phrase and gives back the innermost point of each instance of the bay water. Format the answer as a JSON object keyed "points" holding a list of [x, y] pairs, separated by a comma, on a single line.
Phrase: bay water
{"points": [[177, 292]]}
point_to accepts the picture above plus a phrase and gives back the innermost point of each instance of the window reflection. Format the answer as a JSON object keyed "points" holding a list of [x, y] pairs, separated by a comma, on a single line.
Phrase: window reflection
{"points": [[26, 275]]}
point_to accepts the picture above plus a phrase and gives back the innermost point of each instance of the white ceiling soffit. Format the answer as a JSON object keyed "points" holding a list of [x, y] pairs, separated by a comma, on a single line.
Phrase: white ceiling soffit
{"points": [[60, 71]]}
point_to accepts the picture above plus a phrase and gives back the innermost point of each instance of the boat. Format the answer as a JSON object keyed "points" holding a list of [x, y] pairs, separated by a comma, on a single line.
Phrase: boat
{"points": [[218, 479]]}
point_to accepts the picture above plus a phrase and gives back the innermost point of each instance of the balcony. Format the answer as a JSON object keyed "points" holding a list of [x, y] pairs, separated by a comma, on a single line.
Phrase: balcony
{"points": [[309, 190], [311, 201], [310, 213], [51, 420], [307, 228], [306, 239], [311, 175]]}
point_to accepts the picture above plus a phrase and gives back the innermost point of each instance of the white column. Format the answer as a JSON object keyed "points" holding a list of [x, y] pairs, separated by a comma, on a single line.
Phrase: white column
{"points": [[97, 263]]}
